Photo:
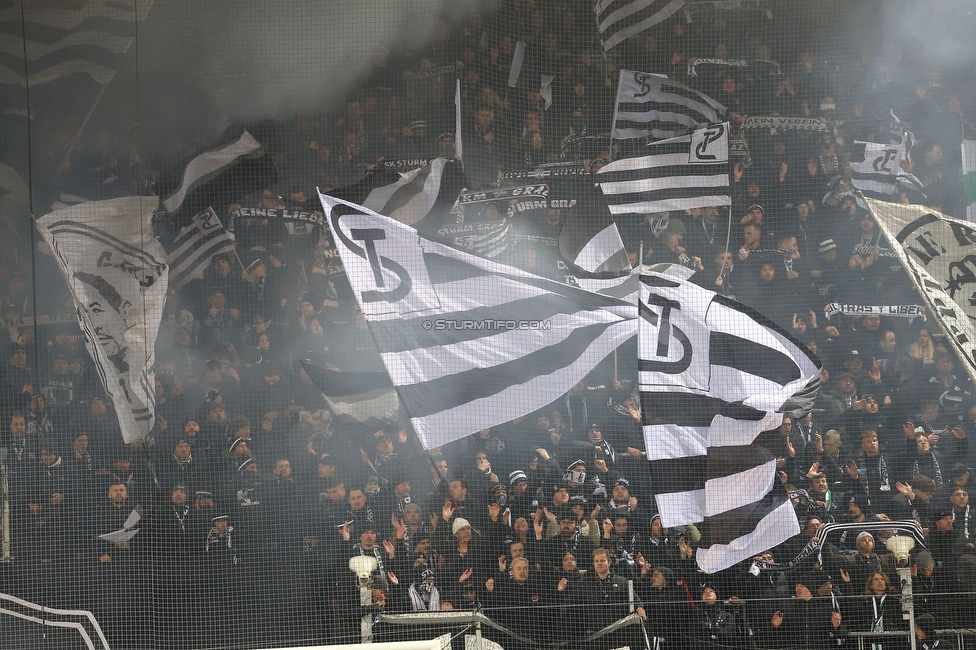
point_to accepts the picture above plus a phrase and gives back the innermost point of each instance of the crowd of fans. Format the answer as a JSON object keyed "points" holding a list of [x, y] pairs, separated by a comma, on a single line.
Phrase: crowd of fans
{"points": [[253, 496]]}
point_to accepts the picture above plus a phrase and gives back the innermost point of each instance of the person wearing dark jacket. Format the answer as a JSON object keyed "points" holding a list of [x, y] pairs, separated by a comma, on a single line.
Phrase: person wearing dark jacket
{"points": [[879, 610], [601, 597], [519, 597], [807, 621]]}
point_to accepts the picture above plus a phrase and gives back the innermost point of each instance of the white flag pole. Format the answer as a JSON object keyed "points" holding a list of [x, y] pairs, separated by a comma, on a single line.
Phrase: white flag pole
{"points": [[616, 107]]}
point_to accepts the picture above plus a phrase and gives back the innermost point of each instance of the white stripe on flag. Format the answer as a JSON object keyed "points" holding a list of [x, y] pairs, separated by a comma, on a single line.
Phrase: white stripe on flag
{"points": [[417, 207], [518, 399], [773, 529], [681, 508], [667, 205], [426, 364], [665, 183], [645, 24], [379, 197], [969, 178], [739, 489], [671, 441], [604, 245], [207, 164]]}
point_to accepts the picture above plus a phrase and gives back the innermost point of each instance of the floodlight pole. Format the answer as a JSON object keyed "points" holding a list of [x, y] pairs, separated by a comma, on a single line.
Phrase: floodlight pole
{"points": [[907, 602], [5, 548]]}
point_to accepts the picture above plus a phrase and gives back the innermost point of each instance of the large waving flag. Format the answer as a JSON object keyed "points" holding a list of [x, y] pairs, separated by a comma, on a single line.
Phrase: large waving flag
{"points": [[689, 171], [195, 247], [222, 174], [469, 343], [713, 375], [42, 42], [650, 105], [618, 20], [117, 274], [939, 253], [876, 170], [411, 196]]}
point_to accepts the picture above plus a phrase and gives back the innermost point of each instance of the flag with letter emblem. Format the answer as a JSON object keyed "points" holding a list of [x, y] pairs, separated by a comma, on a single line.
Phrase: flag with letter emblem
{"points": [[196, 246], [469, 343], [713, 375], [689, 171], [653, 106]]}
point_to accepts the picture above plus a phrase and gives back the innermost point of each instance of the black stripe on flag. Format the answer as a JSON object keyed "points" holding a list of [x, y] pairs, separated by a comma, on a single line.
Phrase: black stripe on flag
{"points": [[691, 410], [448, 392], [761, 319], [664, 171], [442, 269], [678, 474], [732, 525], [618, 20], [751, 357], [664, 194], [690, 473]]}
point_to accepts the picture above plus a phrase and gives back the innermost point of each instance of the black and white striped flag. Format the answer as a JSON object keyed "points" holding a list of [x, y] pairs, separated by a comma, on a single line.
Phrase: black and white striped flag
{"points": [[876, 170], [901, 135], [653, 106], [222, 174], [469, 343], [411, 196], [618, 20], [196, 246], [713, 375], [689, 171], [62, 40], [364, 397]]}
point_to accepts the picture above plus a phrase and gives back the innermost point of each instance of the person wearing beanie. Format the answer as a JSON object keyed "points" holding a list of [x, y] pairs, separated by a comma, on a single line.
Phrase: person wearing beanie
{"points": [[862, 564], [715, 622], [933, 587], [925, 636], [944, 542]]}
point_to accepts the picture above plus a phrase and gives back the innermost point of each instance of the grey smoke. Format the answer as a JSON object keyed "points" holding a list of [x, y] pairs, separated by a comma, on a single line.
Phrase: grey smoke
{"points": [[203, 65]]}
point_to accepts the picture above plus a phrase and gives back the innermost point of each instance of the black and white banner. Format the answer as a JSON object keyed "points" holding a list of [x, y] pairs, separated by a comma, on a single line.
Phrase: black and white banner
{"points": [[899, 311], [776, 123], [117, 274], [469, 343], [713, 375], [545, 171], [939, 253], [406, 164], [729, 63]]}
